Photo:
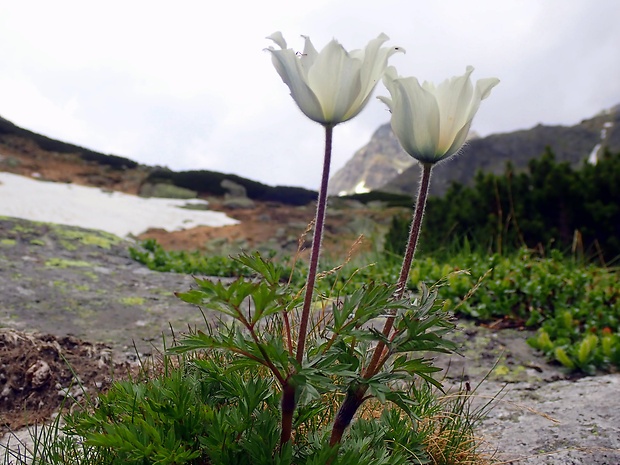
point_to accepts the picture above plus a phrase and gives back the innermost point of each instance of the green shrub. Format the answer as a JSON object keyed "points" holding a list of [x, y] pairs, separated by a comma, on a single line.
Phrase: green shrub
{"points": [[552, 205]]}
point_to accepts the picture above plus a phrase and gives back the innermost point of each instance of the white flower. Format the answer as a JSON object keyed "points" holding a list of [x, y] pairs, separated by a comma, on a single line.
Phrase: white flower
{"points": [[334, 85], [431, 122]]}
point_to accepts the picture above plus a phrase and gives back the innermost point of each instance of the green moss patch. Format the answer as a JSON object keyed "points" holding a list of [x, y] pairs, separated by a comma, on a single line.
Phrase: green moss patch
{"points": [[63, 263], [132, 300], [100, 239]]}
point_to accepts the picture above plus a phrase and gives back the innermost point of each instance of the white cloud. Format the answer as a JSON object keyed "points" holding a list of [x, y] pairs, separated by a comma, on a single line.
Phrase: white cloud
{"points": [[189, 86]]}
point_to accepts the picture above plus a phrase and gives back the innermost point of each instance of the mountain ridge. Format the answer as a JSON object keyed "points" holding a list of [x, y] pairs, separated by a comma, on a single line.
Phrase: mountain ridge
{"points": [[25, 152], [382, 165]]}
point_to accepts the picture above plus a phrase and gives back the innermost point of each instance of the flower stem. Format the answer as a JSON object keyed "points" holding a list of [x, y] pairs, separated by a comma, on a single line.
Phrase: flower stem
{"points": [[416, 226], [288, 389], [316, 245], [414, 234], [353, 400], [288, 409], [355, 396]]}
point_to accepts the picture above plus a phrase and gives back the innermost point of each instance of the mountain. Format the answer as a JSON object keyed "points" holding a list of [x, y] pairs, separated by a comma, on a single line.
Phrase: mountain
{"points": [[383, 165]]}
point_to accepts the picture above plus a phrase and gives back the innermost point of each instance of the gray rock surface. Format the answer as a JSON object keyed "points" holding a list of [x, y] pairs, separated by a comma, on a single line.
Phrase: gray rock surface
{"points": [[66, 280], [559, 423]]}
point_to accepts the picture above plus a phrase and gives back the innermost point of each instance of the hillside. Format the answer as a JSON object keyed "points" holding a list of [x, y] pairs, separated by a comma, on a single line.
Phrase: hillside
{"points": [[383, 165], [25, 152]]}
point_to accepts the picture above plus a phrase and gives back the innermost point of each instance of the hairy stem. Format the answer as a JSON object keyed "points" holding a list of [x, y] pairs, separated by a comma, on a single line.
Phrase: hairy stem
{"points": [[316, 245], [353, 400], [401, 285], [288, 410], [288, 389], [416, 226], [355, 396]]}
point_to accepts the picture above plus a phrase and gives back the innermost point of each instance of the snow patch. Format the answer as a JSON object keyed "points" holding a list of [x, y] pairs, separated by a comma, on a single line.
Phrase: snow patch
{"points": [[89, 207], [593, 157], [361, 188]]}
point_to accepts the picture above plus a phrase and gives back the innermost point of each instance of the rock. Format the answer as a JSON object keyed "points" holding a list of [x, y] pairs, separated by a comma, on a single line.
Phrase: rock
{"points": [[238, 203], [166, 191], [563, 422], [233, 189], [236, 195]]}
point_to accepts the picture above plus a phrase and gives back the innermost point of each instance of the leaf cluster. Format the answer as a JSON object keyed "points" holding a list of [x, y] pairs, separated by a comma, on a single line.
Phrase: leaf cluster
{"points": [[254, 329], [205, 410], [155, 257], [575, 306]]}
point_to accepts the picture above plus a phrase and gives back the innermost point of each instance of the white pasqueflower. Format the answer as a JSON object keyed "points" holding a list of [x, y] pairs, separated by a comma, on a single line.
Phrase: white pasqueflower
{"points": [[331, 86], [431, 122]]}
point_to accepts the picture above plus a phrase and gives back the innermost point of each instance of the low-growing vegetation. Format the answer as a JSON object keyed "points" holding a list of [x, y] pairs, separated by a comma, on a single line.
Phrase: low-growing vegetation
{"points": [[574, 305], [212, 410], [210, 183]]}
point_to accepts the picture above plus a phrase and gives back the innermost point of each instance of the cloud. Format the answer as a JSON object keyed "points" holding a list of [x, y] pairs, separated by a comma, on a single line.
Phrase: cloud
{"points": [[189, 86]]}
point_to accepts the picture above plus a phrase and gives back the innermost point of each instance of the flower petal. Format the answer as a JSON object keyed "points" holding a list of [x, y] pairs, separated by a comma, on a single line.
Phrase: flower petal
{"points": [[335, 78], [375, 60], [278, 38], [432, 122], [290, 70], [484, 86]]}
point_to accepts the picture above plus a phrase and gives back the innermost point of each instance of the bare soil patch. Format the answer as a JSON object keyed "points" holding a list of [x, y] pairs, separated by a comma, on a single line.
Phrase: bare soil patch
{"points": [[42, 373]]}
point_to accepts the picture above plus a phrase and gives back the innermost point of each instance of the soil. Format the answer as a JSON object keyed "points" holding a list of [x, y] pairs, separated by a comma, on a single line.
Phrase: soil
{"points": [[69, 293], [40, 373]]}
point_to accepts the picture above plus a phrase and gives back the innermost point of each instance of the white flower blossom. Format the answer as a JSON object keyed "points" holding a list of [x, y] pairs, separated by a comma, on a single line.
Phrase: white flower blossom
{"points": [[333, 85], [432, 122]]}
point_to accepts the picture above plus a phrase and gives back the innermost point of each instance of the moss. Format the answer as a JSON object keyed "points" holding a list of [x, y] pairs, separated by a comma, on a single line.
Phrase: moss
{"points": [[92, 275], [501, 370], [69, 237], [60, 284], [100, 239], [132, 300], [63, 263], [508, 374], [8, 242], [167, 191], [23, 228]]}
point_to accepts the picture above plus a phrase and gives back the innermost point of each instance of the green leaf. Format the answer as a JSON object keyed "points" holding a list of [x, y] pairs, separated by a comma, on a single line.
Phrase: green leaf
{"points": [[265, 268]]}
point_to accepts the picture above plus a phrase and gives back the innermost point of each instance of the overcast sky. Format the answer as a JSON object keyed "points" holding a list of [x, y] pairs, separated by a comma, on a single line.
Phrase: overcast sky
{"points": [[188, 85]]}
